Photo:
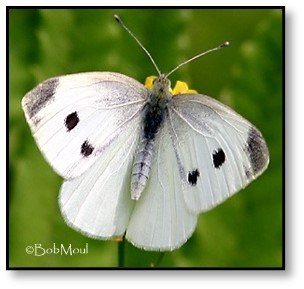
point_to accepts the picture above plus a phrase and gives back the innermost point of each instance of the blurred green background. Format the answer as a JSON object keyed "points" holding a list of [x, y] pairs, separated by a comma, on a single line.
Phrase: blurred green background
{"points": [[246, 230]]}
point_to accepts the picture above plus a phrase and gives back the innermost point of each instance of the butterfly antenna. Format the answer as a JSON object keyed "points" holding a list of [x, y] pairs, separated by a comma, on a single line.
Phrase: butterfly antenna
{"points": [[223, 45], [127, 29]]}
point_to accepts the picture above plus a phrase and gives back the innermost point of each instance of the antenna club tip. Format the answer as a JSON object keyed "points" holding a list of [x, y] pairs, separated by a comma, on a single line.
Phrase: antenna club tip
{"points": [[117, 18], [225, 44]]}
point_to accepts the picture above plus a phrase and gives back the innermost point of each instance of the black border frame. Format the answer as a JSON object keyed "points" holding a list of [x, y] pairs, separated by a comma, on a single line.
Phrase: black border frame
{"points": [[8, 267]]}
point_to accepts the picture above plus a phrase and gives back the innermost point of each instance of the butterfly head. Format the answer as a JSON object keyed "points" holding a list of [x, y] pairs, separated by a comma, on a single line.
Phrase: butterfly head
{"points": [[160, 84], [160, 88], [155, 83]]}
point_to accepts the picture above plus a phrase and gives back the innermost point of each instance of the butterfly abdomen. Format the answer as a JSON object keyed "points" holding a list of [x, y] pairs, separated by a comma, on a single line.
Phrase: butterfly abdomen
{"points": [[141, 168], [152, 121]]}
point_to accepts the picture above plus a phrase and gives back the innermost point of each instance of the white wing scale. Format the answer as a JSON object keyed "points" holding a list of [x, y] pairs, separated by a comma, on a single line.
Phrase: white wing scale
{"points": [[98, 203], [213, 139], [83, 113], [160, 219]]}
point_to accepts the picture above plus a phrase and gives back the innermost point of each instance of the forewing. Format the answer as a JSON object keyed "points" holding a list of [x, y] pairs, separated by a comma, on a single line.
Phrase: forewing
{"points": [[76, 118], [160, 219], [98, 203], [219, 151]]}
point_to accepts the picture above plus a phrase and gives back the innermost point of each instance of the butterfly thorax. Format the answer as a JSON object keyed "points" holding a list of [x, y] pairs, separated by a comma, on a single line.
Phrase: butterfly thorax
{"points": [[154, 114]]}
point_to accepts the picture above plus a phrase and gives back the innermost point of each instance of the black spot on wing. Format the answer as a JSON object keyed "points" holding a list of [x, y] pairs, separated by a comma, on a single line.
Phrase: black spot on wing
{"points": [[71, 121], [257, 150], [40, 96], [192, 177], [86, 149], [218, 158]]}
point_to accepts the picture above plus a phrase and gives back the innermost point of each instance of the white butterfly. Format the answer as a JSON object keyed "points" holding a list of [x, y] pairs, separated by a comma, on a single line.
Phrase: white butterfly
{"points": [[140, 161]]}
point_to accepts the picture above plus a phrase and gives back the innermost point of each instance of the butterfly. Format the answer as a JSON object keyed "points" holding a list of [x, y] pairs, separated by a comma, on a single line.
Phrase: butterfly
{"points": [[141, 161]]}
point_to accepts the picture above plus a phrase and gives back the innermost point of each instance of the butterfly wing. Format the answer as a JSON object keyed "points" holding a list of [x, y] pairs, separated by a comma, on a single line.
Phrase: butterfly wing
{"points": [[98, 203], [75, 118], [160, 219], [219, 151]]}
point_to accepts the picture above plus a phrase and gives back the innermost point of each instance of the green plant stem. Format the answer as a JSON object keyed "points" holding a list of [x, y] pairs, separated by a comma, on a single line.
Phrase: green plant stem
{"points": [[121, 254], [159, 259]]}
